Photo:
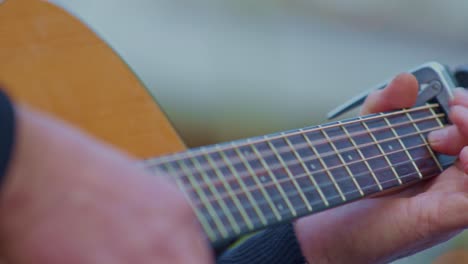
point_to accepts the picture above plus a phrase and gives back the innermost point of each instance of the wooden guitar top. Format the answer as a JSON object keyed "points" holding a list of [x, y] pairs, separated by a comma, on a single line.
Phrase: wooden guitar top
{"points": [[50, 61]]}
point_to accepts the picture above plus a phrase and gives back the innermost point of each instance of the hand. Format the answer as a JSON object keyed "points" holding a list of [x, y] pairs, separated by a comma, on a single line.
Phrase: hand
{"points": [[383, 229], [68, 199]]}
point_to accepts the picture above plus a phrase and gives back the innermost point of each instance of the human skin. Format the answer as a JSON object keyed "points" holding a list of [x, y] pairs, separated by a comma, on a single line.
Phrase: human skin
{"points": [[382, 229], [70, 199]]}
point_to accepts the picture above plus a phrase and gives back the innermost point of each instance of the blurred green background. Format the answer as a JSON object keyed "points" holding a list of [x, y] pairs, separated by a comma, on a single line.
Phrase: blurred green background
{"points": [[229, 69]]}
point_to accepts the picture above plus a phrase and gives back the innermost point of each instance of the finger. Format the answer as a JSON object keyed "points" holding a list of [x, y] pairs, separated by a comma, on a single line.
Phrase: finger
{"points": [[448, 140], [460, 97], [463, 159], [400, 93], [459, 117]]}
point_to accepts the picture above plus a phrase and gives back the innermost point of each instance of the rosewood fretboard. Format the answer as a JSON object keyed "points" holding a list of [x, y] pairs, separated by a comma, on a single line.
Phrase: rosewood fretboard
{"points": [[245, 185]]}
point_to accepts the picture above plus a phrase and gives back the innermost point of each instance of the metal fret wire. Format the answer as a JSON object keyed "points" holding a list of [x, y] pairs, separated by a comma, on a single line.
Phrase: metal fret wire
{"points": [[354, 191], [328, 154], [304, 145], [417, 129], [401, 143], [358, 175], [345, 164], [359, 151], [313, 188], [269, 141], [192, 153]]}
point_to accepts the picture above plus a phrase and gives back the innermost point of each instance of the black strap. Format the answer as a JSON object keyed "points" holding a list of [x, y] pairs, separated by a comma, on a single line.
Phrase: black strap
{"points": [[7, 133]]}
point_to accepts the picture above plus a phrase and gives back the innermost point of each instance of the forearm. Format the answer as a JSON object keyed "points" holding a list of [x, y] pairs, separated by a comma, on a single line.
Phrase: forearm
{"points": [[31, 192], [67, 198]]}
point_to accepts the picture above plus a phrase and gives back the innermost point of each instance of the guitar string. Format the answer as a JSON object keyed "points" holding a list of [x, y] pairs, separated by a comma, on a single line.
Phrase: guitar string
{"points": [[179, 173], [304, 175], [255, 221], [284, 180], [247, 174], [245, 142], [315, 203], [302, 146], [231, 197], [307, 146], [315, 158], [354, 190]]}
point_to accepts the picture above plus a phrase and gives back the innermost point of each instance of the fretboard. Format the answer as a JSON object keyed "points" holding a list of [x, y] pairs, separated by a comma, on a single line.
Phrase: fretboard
{"points": [[246, 185]]}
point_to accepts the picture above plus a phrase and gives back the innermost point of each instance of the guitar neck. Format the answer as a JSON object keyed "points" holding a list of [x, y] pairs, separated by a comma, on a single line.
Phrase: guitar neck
{"points": [[246, 185]]}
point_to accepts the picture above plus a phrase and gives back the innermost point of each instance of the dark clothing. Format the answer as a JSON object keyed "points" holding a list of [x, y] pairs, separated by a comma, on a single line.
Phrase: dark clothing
{"points": [[273, 245], [276, 245], [7, 133]]}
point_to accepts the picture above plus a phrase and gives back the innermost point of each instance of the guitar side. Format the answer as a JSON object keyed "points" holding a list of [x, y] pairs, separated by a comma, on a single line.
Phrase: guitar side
{"points": [[52, 62]]}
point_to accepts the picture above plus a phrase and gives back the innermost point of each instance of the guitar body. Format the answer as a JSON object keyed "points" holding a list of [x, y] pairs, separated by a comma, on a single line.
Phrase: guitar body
{"points": [[52, 62]]}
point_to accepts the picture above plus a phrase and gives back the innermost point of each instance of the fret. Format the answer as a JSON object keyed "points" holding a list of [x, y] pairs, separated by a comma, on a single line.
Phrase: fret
{"points": [[334, 164], [434, 114], [244, 208], [333, 132], [205, 159], [427, 145], [358, 169], [393, 150], [199, 212], [182, 180], [387, 179], [210, 193], [319, 176], [422, 125], [251, 201], [283, 197], [204, 199], [263, 190], [255, 191], [414, 143], [405, 156], [287, 156], [314, 195], [220, 203]]}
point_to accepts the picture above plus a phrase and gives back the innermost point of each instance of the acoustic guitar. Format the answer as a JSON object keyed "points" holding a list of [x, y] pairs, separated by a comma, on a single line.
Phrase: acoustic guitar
{"points": [[52, 62]]}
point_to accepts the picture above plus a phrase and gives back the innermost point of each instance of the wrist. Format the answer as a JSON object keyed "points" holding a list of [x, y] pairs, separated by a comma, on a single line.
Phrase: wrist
{"points": [[323, 245]]}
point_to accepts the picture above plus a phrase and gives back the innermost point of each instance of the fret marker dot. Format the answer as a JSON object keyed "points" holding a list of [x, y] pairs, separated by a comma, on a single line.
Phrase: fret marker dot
{"points": [[280, 207], [262, 178], [246, 153], [312, 166], [350, 157], [390, 147]]}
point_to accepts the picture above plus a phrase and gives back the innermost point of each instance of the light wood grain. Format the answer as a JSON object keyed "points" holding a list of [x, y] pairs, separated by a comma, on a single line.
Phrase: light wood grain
{"points": [[53, 62], [459, 256]]}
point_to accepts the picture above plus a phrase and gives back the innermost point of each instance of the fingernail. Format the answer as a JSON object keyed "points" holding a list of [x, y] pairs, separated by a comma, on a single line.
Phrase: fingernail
{"points": [[435, 137]]}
